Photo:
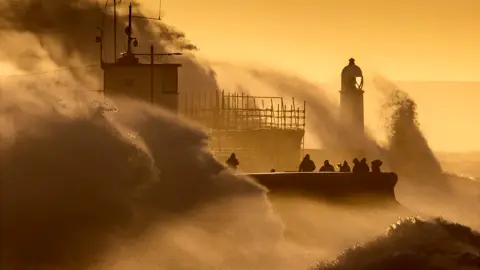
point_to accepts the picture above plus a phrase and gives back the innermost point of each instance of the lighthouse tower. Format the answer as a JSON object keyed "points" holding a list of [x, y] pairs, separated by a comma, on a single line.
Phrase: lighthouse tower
{"points": [[351, 99]]}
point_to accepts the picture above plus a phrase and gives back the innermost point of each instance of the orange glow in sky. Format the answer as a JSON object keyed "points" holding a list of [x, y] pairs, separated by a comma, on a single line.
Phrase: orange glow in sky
{"points": [[428, 40]]}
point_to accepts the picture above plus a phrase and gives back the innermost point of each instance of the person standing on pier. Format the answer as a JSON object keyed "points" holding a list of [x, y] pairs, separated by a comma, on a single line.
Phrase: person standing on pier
{"points": [[307, 165], [327, 167], [376, 164], [364, 166], [232, 161], [345, 167]]}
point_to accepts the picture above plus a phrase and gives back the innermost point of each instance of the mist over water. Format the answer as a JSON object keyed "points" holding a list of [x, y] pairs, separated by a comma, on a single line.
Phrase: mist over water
{"points": [[409, 152], [423, 188], [414, 244], [323, 118], [89, 183], [77, 182], [45, 35], [107, 187]]}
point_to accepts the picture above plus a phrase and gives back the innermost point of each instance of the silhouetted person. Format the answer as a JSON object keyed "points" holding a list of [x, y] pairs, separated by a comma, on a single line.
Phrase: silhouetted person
{"points": [[232, 161], [364, 166], [345, 167], [307, 165], [356, 165], [327, 167], [376, 164]]}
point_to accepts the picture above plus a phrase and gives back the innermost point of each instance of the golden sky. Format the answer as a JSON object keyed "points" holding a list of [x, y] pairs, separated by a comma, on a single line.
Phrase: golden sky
{"points": [[407, 39], [403, 40]]}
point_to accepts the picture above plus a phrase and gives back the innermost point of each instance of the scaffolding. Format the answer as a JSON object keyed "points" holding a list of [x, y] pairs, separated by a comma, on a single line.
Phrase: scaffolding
{"points": [[257, 127], [261, 127], [240, 111]]}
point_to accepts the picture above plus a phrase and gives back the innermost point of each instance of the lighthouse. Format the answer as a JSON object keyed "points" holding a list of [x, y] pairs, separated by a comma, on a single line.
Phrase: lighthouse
{"points": [[351, 99]]}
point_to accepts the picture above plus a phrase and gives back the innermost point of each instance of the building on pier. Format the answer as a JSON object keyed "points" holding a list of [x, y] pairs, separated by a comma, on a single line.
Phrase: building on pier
{"points": [[264, 132]]}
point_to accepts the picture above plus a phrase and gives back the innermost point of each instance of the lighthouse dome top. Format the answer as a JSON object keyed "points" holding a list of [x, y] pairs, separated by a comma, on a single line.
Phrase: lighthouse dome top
{"points": [[352, 76]]}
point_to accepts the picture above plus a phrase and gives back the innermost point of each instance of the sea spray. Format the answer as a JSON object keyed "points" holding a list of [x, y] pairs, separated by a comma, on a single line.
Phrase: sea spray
{"points": [[57, 35], [414, 244], [76, 189], [408, 152], [322, 114]]}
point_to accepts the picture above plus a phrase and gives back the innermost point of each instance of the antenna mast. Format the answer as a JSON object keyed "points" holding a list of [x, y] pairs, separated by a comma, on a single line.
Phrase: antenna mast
{"points": [[129, 56], [129, 30], [114, 31]]}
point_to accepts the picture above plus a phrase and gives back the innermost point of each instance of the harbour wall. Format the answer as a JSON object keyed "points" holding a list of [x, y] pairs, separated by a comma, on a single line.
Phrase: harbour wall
{"points": [[333, 186]]}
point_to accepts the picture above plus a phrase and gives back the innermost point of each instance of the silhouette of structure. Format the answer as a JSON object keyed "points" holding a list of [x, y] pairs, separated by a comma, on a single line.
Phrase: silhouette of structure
{"points": [[351, 99], [139, 75], [264, 132], [367, 188]]}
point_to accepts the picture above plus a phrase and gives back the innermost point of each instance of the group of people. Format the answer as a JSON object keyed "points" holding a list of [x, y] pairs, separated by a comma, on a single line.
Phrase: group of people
{"points": [[307, 165], [359, 166]]}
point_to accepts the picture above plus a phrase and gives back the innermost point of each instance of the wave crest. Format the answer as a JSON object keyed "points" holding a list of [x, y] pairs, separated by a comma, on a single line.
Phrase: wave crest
{"points": [[77, 178], [414, 244]]}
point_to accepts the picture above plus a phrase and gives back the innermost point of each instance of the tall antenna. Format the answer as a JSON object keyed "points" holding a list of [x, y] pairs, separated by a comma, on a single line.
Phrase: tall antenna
{"points": [[114, 31], [129, 30]]}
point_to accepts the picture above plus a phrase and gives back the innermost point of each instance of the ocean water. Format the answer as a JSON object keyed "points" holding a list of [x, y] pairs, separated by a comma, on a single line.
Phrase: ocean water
{"points": [[125, 185], [414, 244]]}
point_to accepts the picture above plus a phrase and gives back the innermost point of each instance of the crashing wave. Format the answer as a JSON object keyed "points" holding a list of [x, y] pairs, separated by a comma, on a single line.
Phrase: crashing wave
{"points": [[414, 244], [81, 186]]}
